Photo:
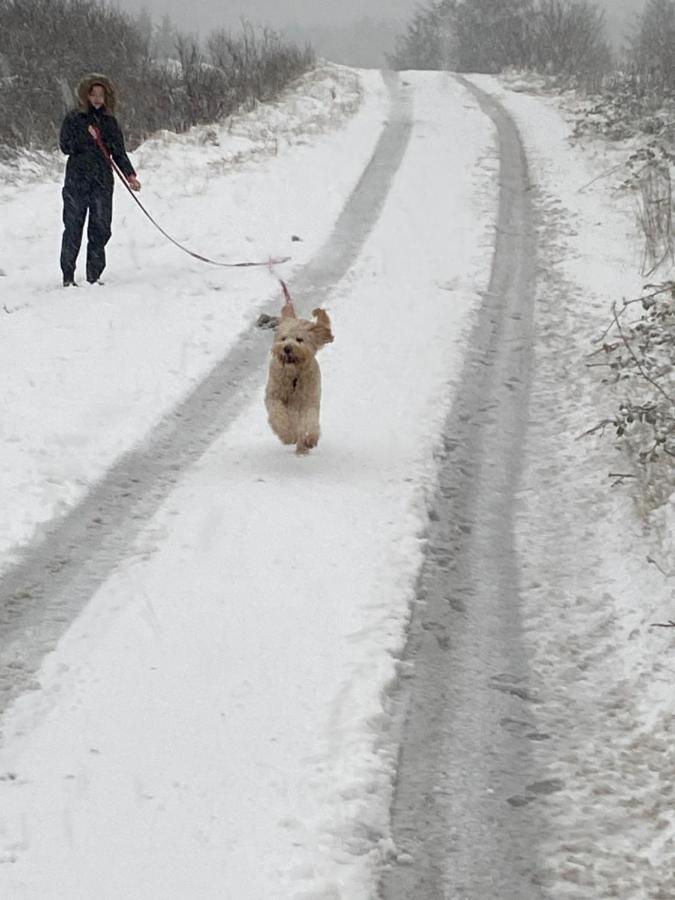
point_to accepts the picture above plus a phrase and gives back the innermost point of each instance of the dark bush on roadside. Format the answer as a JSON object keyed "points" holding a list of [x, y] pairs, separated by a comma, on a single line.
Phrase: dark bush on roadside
{"points": [[164, 79]]}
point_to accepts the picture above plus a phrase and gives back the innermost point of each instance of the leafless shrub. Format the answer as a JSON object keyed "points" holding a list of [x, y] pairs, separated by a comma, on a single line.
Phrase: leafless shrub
{"points": [[47, 45], [654, 213], [568, 39], [203, 87], [429, 41], [45, 41], [494, 34], [649, 179], [638, 356], [624, 106], [256, 64]]}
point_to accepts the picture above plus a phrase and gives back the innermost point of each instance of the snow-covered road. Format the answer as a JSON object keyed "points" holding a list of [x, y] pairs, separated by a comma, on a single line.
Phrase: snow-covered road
{"points": [[601, 675], [213, 656], [212, 724]]}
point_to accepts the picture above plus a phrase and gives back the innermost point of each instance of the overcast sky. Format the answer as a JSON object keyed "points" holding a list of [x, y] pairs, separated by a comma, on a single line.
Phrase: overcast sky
{"points": [[203, 15]]}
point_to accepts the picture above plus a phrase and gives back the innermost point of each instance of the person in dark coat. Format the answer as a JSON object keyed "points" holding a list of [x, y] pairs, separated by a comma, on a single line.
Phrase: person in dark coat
{"points": [[88, 186]]}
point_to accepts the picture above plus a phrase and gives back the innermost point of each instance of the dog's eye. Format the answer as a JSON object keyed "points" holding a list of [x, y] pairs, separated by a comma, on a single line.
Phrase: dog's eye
{"points": [[299, 340]]}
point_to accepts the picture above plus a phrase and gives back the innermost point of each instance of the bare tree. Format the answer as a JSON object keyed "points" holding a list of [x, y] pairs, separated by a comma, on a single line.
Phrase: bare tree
{"points": [[204, 85], [256, 65], [569, 38], [429, 40], [652, 47], [493, 34]]}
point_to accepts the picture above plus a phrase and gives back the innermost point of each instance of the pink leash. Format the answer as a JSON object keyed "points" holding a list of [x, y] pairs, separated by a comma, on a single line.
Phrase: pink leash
{"points": [[236, 265]]}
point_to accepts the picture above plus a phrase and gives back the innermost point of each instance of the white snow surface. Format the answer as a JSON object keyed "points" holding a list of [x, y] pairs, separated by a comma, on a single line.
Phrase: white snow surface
{"points": [[215, 722], [604, 675]]}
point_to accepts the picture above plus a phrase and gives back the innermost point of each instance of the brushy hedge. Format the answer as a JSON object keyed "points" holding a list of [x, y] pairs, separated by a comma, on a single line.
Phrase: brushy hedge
{"points": [[47, 45]]}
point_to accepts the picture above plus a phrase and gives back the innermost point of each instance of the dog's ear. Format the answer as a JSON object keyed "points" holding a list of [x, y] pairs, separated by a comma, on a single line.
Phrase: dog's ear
{"points": [[288, 310], [320, 330]]}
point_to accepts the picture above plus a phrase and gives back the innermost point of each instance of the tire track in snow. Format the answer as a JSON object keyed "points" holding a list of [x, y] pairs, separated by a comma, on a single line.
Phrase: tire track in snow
{"points": [[464, 816], [61, 570]]}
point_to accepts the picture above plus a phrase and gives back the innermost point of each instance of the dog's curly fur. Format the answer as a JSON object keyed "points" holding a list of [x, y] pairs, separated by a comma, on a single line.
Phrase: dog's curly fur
{"points": [[293, 393]]}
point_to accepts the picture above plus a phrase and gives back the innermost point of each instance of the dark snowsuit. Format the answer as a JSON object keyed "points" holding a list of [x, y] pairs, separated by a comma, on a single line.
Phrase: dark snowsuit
{"points": [[88, 184]]}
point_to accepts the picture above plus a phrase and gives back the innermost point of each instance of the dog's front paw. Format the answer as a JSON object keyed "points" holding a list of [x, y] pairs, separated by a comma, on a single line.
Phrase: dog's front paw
{"points": [[307, 443]]}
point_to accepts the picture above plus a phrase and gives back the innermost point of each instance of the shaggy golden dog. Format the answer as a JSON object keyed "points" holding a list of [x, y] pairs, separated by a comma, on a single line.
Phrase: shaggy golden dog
{"points": [[293, 393]]}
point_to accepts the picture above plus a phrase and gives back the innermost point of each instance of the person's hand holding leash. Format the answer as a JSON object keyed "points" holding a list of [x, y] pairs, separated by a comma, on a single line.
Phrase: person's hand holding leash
{"points": [[132, 180]]}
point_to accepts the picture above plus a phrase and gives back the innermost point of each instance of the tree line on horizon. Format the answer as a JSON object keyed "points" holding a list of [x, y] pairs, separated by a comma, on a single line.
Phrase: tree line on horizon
{"points": [[170, 80], [565, 38], [165, 79]]}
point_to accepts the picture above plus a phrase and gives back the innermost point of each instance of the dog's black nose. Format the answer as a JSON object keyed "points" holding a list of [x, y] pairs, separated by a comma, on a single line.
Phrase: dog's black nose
{"points": [[288, 350]]}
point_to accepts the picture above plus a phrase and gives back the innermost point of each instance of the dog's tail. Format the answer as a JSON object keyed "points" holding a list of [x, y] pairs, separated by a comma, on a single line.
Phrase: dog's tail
{"points": [[287, 310]]}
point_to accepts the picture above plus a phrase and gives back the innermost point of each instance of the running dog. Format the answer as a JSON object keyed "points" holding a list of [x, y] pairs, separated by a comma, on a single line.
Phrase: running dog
{"points": [[293, 393]]}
